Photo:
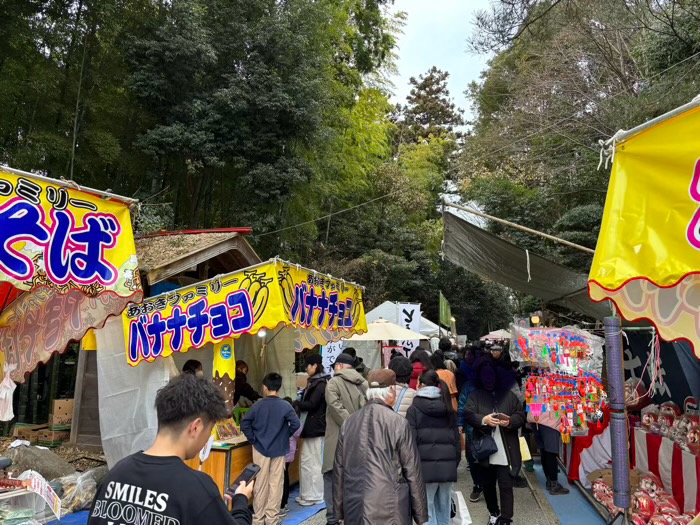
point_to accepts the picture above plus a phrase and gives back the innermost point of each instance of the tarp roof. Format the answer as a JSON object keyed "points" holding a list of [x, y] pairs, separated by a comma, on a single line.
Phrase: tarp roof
{"points": [[389, 310], [491, 257]]}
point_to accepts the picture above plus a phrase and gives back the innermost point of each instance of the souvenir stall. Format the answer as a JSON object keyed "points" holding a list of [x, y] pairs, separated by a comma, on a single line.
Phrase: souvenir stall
{"points": [[263, 314], [67, 263], [646, 263], [565, 378]]}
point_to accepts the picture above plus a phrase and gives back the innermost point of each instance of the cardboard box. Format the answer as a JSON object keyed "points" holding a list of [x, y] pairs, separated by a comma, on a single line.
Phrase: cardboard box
{"points": [[302, 380], [53, 436], [62, 413], [59, 423], [23, 431]]}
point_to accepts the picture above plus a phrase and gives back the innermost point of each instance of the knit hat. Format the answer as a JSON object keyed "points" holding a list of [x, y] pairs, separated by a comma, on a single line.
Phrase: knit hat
{"points": [[402, 367], [313, 359], [344, 359], [381, 378]]}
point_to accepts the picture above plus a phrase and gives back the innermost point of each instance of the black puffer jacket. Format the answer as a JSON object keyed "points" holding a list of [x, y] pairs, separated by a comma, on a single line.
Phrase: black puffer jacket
{"points": [[314, 403], [437, 437]]}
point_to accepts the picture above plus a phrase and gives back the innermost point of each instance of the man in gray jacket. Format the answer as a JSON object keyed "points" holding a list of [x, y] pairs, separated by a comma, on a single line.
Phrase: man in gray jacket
{"points": [[377, 476], [345, 395]]}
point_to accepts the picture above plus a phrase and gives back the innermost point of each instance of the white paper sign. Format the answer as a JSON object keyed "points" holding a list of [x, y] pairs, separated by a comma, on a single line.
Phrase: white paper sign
{"points": [[40, 486], [409, 317], [330, 353]]}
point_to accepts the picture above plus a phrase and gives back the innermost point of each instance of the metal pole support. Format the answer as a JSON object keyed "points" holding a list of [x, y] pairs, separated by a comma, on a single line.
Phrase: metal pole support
{"points": [[618, 413]]}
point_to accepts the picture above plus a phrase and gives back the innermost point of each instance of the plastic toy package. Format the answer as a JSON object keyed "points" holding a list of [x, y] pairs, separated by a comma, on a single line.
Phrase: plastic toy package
{"points": [[567, 349]]}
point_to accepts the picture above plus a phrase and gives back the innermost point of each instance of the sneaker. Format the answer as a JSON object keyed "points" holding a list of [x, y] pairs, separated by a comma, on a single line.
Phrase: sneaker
{"points": [[520, 482], [306, 503], [284, 511], [530, 466], [493, 520], [476, 494]]}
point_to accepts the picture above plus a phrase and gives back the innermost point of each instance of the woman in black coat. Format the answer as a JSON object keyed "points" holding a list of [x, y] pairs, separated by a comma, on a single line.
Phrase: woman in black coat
{"points": [[313, 404], [494, 410], [434, 423]]}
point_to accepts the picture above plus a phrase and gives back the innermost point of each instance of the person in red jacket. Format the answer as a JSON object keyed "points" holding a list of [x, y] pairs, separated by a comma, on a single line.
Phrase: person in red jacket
{"points": [[420, 359]]}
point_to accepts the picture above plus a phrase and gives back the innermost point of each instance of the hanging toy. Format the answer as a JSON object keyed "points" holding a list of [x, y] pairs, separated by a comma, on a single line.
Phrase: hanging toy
{"points": [[598, 418], [565, 435]]}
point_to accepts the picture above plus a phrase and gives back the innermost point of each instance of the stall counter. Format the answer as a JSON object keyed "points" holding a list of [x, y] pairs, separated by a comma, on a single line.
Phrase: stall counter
{"points": [[228, 459]]}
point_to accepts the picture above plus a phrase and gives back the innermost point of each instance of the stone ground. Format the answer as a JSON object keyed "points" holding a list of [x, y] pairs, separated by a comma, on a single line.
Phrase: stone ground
{"points": [[531, 505]]}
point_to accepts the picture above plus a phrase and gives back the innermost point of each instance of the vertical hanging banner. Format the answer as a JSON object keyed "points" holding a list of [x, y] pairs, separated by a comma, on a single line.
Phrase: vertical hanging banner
{"points": [[269, 295], [445, 313], [647, 260], [329, 354], [67, 262], [224, 369], [409, 317]]}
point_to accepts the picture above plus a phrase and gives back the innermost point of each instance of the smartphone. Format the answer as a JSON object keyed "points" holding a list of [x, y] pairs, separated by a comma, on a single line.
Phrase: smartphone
{"points": [[501, 417], [247, 475]]}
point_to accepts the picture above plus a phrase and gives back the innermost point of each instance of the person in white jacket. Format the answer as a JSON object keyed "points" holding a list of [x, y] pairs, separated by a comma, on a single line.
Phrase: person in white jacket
{"points": [[403, 369]]}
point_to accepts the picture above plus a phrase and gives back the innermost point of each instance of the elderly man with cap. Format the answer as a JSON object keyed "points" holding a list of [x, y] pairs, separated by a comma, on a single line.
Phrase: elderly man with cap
{"points": [[378, 477], [345, 395], [403, 369], [313, 404]]}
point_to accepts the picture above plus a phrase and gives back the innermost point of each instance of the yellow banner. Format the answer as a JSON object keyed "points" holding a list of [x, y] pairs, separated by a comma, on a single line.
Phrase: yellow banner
{"points": [[648, 256], [264, 296], [224, 369], [651, 224], [64, 238]]}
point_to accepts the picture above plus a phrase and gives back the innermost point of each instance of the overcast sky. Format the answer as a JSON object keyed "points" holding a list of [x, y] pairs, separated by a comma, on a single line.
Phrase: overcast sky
{"points": [[435, 35]]}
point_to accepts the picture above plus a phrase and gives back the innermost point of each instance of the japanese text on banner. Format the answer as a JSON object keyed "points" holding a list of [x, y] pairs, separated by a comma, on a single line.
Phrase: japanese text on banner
{"points": [[242, 302], [64, 239]]}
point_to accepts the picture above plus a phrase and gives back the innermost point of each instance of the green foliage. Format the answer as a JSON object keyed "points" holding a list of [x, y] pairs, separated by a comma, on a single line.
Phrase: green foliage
{"points": [[257, 113], [567, 73], [429, 110]]}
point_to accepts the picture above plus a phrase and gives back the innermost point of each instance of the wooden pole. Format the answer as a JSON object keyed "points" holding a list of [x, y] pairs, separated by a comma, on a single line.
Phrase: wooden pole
{"points": [[522, 228]]}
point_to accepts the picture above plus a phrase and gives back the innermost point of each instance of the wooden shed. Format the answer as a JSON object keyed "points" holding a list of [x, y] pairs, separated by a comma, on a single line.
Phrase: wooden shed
{"points": [[166, 259]]}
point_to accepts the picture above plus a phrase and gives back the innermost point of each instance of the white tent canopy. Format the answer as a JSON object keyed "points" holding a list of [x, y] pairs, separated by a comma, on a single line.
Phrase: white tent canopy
{"points": [[390, 311], [383, 330], [496, 335]]}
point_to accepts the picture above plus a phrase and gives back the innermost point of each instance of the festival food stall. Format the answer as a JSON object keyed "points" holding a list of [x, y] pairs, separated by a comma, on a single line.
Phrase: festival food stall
{"points": [[67, 263], [263, 314]]}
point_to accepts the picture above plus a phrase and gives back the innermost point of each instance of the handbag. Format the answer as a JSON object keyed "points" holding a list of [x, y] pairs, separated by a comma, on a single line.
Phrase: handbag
{"points": [[524, 449], [483, 447], [459, 514]]}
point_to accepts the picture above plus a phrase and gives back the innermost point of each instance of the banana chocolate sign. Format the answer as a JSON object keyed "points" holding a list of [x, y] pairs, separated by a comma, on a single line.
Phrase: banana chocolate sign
{"points": [[263, 296]]}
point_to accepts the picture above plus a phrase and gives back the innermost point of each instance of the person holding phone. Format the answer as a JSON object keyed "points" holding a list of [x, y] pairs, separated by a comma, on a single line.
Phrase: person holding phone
{"points": [[157, 485], [495, 410]]}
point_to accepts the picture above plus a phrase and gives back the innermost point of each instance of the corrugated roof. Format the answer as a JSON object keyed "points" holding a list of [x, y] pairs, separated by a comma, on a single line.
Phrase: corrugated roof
{"points": [[161, 250]]}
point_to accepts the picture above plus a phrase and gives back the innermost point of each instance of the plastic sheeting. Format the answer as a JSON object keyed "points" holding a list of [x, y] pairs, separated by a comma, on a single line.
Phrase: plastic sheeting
{"points": [[128, 420], [493, 258]]}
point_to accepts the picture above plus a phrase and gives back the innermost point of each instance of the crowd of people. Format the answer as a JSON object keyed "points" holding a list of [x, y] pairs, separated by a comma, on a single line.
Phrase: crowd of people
{"points": [[379, 446]]}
